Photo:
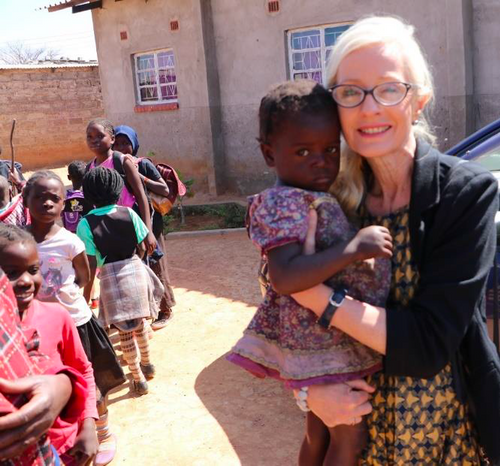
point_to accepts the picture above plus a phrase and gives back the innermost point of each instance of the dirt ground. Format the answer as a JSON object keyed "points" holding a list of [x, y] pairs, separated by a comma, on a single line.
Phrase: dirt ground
{"points": [[201, 409]]}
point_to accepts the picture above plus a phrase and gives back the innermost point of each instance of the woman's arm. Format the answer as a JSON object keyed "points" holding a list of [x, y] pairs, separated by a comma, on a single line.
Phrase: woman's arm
{"points": [[421, 339], [134, 181], [82, 269]]}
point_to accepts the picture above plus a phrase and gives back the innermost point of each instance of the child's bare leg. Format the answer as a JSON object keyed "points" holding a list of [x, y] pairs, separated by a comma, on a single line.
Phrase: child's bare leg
{"points": [[346, 444], [315, 444], [129, 350]]}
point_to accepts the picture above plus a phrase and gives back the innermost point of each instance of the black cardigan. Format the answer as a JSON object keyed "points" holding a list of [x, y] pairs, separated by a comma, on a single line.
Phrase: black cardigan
{"points": [[453, 238]]}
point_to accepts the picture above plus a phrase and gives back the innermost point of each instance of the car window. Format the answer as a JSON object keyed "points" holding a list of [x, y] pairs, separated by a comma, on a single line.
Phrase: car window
{"points": [[487, 154]]}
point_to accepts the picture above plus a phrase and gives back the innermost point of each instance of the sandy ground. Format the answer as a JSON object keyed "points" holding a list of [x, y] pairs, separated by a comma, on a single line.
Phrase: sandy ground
{"points": [[201, 409]]}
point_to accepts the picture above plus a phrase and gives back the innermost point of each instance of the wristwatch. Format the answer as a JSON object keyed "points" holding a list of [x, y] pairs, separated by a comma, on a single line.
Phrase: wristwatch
{"points": [[334, 302]]}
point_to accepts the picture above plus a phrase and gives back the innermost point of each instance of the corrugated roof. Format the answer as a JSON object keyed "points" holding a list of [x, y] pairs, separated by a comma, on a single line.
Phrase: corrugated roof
{"points": [[62, 5], [35, 66]]}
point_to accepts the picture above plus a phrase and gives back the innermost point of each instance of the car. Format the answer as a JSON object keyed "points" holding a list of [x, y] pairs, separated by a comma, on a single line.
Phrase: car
{"points": [[483, 147]]}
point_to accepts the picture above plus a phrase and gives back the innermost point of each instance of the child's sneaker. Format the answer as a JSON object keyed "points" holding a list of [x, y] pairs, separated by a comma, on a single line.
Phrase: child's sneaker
{"points": [[141, 388], [148, 370]]}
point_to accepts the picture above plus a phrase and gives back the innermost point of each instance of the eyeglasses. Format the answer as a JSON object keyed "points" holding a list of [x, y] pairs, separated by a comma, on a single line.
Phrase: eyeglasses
{"points": [[387, 94]]}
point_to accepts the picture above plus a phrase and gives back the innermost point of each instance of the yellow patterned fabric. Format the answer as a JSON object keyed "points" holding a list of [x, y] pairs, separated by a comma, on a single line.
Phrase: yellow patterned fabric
{"points": [[415, 421]]}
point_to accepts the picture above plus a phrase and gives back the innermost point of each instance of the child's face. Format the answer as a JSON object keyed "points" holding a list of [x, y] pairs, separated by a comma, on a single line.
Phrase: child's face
{"points": [[123, 145], [21, 265], [98, 140], [45, 200], [305, 151]]}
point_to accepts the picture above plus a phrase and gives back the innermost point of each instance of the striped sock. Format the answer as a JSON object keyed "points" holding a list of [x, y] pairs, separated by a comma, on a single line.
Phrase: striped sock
{"points": [[102, 427], [141, 334], [129, 350]]}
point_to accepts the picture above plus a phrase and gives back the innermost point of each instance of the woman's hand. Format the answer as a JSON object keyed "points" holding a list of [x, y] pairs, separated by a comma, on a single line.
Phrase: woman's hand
{"points": [[315, 298], [48, 395], [340, 403], [86, 444]]}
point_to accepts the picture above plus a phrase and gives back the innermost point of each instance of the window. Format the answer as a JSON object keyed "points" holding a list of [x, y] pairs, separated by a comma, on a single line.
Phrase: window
{"points": [[155, 77], [309, 50]]}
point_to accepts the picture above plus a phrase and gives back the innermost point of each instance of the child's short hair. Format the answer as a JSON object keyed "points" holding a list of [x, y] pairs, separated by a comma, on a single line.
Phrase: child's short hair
{"points": [[102, 186], [288, 98], [38, 176], [106, 125], [76, 171], [13, 234]]}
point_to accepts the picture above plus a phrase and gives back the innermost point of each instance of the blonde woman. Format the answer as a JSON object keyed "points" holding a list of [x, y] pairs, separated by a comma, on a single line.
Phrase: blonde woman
{"points": [[440, 212]]}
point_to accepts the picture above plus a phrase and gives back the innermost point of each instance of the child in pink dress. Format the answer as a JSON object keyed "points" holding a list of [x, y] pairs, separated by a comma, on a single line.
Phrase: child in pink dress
{"points": [[300, 138]]}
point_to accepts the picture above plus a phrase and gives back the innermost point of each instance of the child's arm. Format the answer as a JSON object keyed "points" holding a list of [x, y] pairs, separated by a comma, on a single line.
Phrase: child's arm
{"points": [[156, 186], [290, 271], [82, 269], [141, 249], [134, 181], [87, 291]]}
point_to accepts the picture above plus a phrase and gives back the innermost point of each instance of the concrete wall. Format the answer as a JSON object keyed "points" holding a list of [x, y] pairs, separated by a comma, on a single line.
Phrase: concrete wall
{"points": [[52, 107], [181, 137], [486, 66], [252, 55], [229, 52]]}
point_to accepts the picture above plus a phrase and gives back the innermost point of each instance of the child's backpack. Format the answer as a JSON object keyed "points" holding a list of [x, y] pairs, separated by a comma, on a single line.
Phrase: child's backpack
{"points": [[176, 188], [73, 210]]}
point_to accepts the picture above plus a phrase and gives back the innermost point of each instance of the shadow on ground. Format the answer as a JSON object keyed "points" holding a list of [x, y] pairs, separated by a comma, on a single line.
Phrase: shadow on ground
{"points": [[259, 417]]}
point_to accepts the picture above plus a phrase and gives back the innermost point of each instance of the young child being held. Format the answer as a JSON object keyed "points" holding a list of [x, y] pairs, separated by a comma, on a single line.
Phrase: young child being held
{"points": [[113, 238], [300, 138], [57, 336], [65, 271], [75, 205]]}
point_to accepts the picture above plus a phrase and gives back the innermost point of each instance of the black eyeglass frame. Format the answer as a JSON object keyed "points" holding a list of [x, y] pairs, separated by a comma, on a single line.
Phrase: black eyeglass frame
{"points": [[366, 92]]}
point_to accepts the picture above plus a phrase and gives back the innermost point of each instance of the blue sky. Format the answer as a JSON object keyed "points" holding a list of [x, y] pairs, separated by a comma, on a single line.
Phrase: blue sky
{"points": [[71, 34]]}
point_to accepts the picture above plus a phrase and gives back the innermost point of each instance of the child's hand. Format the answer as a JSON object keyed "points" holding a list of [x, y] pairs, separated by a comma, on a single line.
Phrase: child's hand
{"points": [[373, 241], [150, 243], [86, 444]]}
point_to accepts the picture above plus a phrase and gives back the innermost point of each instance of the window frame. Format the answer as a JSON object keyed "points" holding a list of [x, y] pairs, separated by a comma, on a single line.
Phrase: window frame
{"points": [[322, 48], [138, 87]]}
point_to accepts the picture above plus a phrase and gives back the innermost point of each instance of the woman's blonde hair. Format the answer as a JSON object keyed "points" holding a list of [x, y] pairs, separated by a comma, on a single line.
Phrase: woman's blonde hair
{"points": [[351, 185]]}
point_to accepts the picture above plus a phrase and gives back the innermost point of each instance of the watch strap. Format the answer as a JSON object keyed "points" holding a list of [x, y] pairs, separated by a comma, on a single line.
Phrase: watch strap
{"points": [[335, 301]]}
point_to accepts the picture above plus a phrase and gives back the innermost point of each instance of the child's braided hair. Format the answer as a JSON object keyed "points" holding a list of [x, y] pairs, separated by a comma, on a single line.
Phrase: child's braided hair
{"points": [[38, 176], [102, 186], [288, 98], [13, 234], [106, 125]]}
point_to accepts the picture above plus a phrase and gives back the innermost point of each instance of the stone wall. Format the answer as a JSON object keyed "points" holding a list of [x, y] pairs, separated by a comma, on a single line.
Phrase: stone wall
{"points": [[52, 107]]}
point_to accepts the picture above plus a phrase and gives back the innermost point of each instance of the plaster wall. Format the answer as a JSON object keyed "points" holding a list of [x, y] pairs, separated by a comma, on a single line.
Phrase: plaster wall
{"points": [[52, 107], [252, 54], [180, 137], [486, 40]]}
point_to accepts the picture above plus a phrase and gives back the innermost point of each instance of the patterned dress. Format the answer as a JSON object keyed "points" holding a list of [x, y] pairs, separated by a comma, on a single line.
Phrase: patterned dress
{"points": [[415, 421], [283, 340]]}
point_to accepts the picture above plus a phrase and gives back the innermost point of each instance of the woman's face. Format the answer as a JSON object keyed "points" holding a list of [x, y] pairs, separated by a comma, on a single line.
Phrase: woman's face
{"points": [[371, 129]]}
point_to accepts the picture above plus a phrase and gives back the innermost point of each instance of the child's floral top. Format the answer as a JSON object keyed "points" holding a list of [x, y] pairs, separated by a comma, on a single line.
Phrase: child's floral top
{"points": [[283, 340]]}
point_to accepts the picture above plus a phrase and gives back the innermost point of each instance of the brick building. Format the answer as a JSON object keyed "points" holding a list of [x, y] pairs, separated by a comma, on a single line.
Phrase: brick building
{"points": [[52, 104]]}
